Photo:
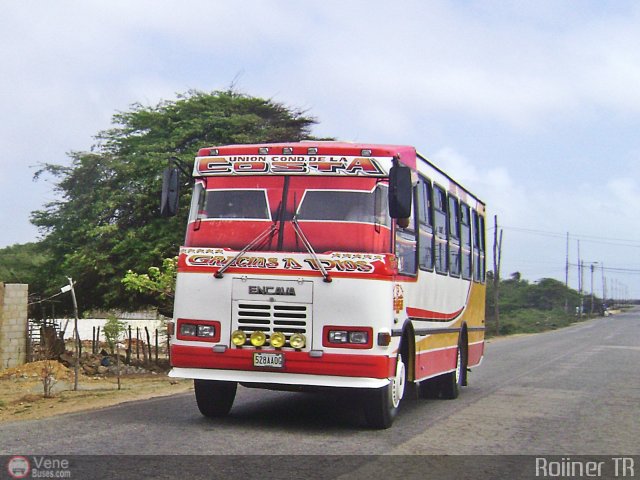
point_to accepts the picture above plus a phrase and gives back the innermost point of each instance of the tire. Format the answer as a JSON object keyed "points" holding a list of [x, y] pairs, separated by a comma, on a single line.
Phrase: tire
{"points": [[214, 398], [381, 405], [452, 381], [430, 389]]}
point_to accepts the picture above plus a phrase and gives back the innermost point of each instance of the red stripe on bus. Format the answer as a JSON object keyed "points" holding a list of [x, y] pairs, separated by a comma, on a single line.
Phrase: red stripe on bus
{"points": [[420, 314], [368, 366], [434, 362], [476, 351]]}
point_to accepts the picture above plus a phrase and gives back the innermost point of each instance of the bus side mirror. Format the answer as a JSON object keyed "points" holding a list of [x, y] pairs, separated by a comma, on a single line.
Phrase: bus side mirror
{"points": [[400, 194], [170, 192]]}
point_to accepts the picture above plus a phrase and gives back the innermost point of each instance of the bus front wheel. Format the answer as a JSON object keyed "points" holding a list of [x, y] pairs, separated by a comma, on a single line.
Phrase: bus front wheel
{"points": [[381, 405], [214, 398]]}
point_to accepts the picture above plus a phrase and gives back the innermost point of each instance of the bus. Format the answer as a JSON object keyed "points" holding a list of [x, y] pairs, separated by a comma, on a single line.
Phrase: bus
{"points": [[334, 265]]}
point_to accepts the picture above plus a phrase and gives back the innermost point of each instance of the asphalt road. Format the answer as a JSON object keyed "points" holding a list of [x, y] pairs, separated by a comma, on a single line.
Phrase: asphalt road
{"points": [[570, 392]]}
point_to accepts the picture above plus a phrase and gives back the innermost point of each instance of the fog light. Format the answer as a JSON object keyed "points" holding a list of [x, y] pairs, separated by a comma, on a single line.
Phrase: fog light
{"points": [[338, 336], [277, 339], [258, 338], [188, 330], [206, 331], [238, 338], [297, 341], [359, 337]]}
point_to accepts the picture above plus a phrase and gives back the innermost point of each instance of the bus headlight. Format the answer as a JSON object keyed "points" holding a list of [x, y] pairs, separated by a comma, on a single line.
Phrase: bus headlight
{"points": [[359, 337], [258, 338], [238, 338], [347, 337], [188, 330], [206, 331], [277, 339], [297, 341], [338, 336]]}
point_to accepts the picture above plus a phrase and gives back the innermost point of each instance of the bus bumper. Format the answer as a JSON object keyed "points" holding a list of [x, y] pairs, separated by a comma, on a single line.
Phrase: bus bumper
{"points": [[278, 378]]}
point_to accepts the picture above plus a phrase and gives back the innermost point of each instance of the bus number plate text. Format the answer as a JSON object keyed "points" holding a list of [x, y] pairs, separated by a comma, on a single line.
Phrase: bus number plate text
{"points": [[268, 360]]}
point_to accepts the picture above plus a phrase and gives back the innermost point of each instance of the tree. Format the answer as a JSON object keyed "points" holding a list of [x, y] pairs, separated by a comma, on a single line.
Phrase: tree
{"points": [[106, 221], [22, 264], [159, 282]]}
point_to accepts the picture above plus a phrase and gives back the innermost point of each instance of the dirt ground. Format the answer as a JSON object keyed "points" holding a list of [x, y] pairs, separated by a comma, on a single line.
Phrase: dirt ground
{"points": [[22, 390]]}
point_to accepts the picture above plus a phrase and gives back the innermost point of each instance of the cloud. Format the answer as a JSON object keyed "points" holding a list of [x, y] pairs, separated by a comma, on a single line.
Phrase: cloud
{"points": [[536, 218]]}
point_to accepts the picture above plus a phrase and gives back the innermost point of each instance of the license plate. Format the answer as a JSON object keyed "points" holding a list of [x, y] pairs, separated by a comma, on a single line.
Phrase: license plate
{"points": [[268, 360]]}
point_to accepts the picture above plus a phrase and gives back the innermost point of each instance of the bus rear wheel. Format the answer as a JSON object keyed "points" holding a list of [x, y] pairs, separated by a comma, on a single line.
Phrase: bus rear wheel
{"points": [[452, 381], [381, 405], [214, 398]]}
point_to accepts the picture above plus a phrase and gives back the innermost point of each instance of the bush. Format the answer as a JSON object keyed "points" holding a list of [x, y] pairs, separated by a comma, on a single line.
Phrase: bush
{"points": [[113, 328]]}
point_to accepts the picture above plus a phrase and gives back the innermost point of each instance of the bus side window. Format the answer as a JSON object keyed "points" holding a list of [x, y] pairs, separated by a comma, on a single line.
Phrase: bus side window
{"points": [[478, 248], [465, 233], [483, 255], [454, 236], [442, 229], [425, 214], [406, 244]]}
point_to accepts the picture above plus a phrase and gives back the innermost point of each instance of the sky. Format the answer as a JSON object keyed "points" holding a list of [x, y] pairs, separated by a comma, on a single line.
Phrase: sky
{"points": [[533, 106]]}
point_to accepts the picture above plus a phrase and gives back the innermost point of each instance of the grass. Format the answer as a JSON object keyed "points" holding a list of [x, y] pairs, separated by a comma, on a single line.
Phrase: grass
{"points": [[531, 321]]}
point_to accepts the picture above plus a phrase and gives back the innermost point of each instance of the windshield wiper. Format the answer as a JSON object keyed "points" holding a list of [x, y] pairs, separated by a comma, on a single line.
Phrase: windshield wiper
{"points": [[268, 232], [307, 245]]}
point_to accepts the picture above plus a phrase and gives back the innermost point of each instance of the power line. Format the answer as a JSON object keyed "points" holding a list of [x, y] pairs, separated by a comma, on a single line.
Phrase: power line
{"points": [[613, 269], [587, 238], [45, 299]]}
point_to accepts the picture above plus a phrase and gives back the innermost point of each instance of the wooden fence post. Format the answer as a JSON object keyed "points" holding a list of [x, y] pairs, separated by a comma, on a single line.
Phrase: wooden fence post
{"points": [[148, 343], [129, 348]]}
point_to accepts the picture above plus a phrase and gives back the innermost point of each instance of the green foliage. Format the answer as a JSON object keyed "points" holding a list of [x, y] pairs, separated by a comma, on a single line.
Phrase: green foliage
{"points": [[23, 264], [106, 220], [112, 329], [531, 307], [530, 320], [159, 282]]}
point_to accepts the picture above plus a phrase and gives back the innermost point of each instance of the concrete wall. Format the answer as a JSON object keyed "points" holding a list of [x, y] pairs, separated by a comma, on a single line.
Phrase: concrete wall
{"points": [[13, 325]]}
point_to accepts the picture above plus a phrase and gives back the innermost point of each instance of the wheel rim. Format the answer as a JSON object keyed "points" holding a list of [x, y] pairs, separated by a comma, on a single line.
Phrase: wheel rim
{"points": [[459, 366], [397, 387]]}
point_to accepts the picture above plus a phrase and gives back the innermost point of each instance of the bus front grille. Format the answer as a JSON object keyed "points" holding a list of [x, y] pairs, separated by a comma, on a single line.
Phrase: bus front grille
{"points": [[287, 318]]}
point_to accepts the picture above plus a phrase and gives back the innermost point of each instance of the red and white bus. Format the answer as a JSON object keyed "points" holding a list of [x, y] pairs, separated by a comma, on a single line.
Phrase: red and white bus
{"points": [[327, 264]]}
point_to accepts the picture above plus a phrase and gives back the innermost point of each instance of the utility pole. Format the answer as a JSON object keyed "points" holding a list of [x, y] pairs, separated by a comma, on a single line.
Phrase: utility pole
{"points": [[497, 256], [580, 281], [566, 279], [604, 286], [581, 287], [592, 263], [76, 366]]}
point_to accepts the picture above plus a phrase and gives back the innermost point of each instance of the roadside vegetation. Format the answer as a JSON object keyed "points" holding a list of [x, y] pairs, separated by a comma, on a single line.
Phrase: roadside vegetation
{"points": [[530, 307]]}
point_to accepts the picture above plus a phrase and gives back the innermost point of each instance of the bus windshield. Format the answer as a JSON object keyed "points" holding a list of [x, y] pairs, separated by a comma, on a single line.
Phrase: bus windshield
{"points": [[336, 214]]}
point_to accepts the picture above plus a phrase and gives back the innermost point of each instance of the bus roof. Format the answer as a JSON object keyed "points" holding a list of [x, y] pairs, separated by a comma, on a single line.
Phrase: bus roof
{"points": [[311, 147], [218, 160]]}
